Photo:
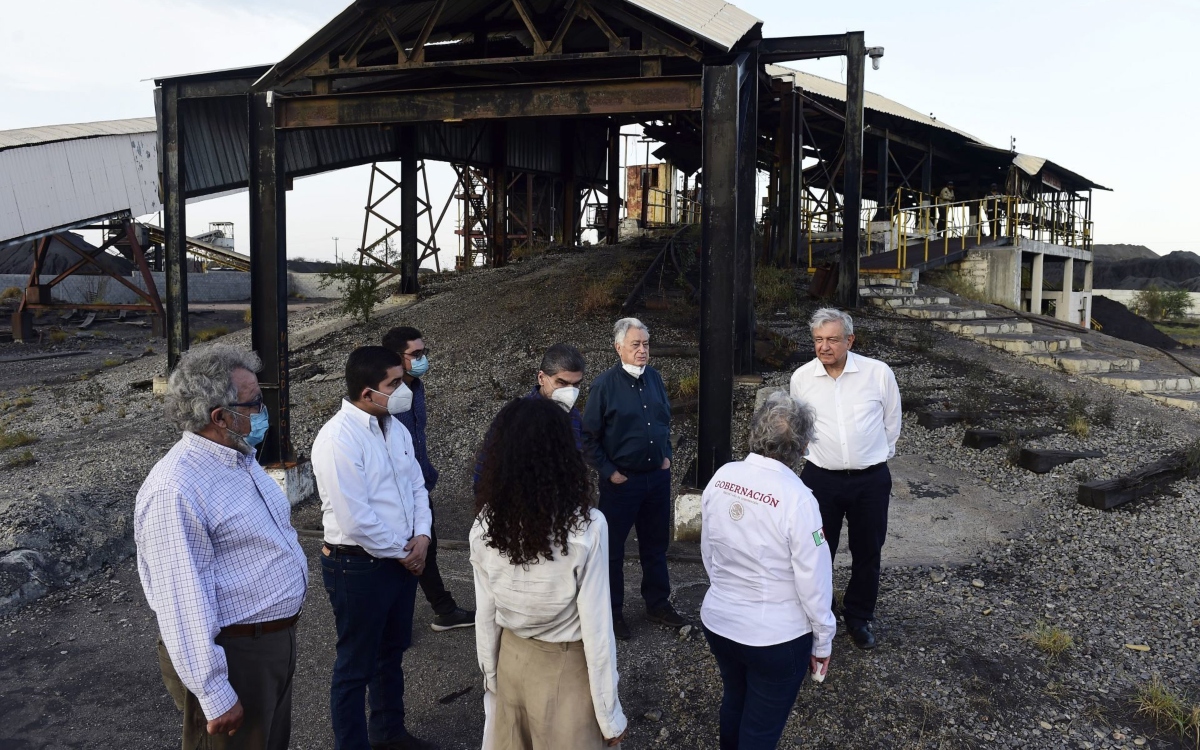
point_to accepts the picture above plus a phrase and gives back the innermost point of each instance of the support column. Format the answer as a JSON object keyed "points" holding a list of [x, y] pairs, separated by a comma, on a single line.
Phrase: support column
{"points": [[1065, 310], [570, 199], [268, 275], [718, 266], [783, 206], [745, 192], [1087, 288], [409, 281], [174, 226], [613, 221], [799, 229], [499, 218], [882, 196], [1035, 284], [856, 57]]}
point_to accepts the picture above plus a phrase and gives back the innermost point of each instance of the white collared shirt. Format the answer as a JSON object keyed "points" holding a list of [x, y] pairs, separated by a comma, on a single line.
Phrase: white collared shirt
{"points": [[557, 601], [372, 490], [858, 413], [769, 568]]}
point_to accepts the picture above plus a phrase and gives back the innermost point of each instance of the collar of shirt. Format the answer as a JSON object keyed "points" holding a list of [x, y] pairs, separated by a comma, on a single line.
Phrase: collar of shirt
{"points": [[755, 459], [230, 457], [355, 414], [851, 366]]}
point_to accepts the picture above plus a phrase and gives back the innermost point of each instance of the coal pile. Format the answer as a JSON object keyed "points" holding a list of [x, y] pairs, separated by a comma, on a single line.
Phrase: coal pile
{"points": [[1117, 320]]}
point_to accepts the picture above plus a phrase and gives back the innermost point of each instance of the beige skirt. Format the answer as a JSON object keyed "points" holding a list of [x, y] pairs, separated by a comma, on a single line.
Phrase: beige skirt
{"points": [[543, 697]]}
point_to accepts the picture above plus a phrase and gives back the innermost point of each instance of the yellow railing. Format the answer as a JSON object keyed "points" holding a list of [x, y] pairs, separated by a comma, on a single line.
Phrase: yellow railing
{"points": [[921, 223]]}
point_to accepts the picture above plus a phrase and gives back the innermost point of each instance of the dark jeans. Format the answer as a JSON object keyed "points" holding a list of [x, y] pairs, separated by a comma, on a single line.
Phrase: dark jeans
{"points": [[642, 501], [760, 687], [260, 672], [430, 579], [861, 500], [373, 603]]}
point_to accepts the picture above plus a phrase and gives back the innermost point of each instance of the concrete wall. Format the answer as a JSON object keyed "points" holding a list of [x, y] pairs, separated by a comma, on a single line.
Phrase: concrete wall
{"points": [[215, 286], [995, 272]]}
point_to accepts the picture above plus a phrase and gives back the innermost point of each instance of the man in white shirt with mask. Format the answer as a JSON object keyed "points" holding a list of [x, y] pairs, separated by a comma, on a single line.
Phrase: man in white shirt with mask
{"points": [[858, 421], [377, 523]]}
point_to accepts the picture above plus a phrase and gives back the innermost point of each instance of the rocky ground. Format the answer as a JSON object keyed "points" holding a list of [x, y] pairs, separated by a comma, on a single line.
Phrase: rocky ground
{"points": [[955, 666]]}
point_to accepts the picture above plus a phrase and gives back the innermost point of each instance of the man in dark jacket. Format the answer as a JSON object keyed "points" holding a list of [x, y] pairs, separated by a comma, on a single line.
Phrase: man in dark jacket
{"points": [[558, 380], [409, 343], [627, 437]]}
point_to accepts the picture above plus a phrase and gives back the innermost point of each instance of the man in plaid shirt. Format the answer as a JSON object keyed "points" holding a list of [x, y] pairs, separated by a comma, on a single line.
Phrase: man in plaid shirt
{"points": [[219, 560]]}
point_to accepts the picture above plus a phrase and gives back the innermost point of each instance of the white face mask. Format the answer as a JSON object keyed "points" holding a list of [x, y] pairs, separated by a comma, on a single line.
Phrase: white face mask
{"points": [[565, 397], [400, 399], [634, 370]]}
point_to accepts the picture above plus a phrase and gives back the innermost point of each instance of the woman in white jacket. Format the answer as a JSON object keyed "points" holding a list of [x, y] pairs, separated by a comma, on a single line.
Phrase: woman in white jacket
{"points": [[767, 611], [543, 623]]}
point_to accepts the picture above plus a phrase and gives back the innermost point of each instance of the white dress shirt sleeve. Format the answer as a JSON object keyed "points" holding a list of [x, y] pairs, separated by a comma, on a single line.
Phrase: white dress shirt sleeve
{"points": [[487, 630], [178, 555], [599, 644], [340, 471], [892, 416], [813, 570]]}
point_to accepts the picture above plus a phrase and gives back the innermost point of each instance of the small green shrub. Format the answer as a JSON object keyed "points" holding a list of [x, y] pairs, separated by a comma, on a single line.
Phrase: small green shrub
{"points": [[24, 458], [774, 289], [209, 334], [1168, 710], [361, 290], [1161, 304], [1051, 640], [112, 362], [59, 336], [12, 292], [16, 439]]}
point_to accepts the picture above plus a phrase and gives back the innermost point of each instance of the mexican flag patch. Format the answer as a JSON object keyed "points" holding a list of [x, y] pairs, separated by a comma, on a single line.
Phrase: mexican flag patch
{"points": [[819, 536]]}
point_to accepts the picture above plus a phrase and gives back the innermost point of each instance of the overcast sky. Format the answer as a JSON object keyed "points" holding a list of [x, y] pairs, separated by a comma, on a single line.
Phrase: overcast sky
{"points": [[1105, 88]]}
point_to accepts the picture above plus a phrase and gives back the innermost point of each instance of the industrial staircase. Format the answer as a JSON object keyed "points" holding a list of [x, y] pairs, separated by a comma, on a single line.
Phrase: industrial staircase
{"points": [[1043, 343]]}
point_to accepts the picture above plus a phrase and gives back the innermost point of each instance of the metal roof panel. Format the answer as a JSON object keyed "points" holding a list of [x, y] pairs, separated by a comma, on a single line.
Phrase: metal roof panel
{"points": [[53, 133], [715, 21]]}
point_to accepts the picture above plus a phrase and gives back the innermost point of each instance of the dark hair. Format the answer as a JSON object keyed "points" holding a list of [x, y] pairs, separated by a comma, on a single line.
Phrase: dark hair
{"points": [[397, 339], [367, 366], [533, 489], [562, 358]]}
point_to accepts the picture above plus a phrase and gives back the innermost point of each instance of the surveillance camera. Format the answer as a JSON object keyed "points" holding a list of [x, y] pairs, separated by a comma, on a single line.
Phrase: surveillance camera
{"points": [[875, 53]]}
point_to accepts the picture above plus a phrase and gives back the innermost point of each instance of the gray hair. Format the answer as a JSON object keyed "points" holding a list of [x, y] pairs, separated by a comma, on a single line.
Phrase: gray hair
{"points": [[622, 327], [782, 428], [832, 315], [203, 381], [562, 358]]}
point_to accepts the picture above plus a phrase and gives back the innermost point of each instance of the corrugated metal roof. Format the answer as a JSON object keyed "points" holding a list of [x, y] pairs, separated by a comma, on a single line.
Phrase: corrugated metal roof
{"points": [[60, 183], [815, 84], [53, 133], [717, 22]]}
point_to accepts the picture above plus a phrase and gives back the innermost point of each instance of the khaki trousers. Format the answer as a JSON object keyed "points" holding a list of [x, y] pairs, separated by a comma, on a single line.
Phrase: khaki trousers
{"points": [[543, 698], [260, 671]]}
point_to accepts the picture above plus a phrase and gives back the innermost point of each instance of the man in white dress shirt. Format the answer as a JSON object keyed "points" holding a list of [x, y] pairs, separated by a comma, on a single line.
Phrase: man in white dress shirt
{"points": [[377, 522], [219, 560], [858, 421]]}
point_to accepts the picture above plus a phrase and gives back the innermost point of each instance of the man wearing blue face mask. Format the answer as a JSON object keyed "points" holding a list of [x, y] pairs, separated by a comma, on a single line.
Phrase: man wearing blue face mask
{"points": [[375, 511], [410, 344], [219, 560]]}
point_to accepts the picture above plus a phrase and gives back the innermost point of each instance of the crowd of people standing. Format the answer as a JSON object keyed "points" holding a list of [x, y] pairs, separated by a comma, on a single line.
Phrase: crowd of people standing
{"points": [[222, 568]]}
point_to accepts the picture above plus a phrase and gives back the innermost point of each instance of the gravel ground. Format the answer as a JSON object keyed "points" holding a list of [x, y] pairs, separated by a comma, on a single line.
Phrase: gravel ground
{"points": [[954, 667]]}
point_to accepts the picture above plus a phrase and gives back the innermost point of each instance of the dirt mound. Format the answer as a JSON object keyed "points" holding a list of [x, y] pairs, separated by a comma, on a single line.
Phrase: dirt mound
{"points": [[1174, 270], [1114, 253], [1117, 320]]}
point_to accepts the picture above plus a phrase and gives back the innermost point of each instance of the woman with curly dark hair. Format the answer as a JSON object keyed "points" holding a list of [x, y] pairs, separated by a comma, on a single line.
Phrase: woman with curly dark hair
{"points": [[543, 627]]}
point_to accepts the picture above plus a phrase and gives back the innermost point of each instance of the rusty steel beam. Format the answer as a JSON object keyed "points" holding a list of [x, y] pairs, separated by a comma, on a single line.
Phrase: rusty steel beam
{"points": [[174, 226], [605, 97], [409, 262], [856, 60], [786, 48]]}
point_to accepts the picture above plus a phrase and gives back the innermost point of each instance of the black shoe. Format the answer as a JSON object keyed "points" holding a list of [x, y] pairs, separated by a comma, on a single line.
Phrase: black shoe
{"points": [[666, 615], [862, 636], [408, 743], [620, 629], [459, 618]]}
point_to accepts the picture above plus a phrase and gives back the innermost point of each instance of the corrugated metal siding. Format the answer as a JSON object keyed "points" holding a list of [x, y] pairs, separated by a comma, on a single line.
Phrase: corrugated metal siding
{"points": [[54, 133], [814, 84], [535, 146], [716, 22], [59, 183]]}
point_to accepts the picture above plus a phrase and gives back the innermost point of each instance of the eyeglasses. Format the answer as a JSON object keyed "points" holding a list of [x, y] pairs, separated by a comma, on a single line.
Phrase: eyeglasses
{"points": [[256, 404]]}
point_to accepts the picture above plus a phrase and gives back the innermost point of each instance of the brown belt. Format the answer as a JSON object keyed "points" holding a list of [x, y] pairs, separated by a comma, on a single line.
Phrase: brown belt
{"points": [[255, 629]]}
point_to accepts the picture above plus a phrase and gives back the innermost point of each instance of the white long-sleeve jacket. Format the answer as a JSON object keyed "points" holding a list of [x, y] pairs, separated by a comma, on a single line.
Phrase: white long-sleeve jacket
{"points": [[770, 573]]}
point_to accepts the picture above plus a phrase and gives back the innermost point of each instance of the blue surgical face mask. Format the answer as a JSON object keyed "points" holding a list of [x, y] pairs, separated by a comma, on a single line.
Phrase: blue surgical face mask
{"points": [[419, 366], [259, 423]]}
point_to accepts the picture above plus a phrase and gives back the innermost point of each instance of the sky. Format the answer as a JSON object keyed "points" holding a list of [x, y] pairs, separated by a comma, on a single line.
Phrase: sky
{"points": [[1105, 88]]}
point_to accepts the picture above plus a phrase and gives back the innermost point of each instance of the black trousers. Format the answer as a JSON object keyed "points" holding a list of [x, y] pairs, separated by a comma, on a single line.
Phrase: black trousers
{"points": [[860, 501], [430, 579]]}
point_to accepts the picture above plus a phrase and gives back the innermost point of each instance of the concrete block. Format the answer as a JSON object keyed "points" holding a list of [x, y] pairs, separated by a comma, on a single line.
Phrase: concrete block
{"points": [[687, 516], [760, 398], [295, 479], [160, 385]]}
